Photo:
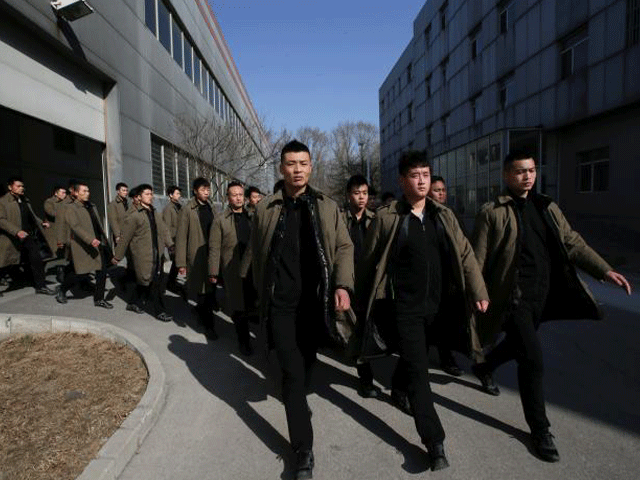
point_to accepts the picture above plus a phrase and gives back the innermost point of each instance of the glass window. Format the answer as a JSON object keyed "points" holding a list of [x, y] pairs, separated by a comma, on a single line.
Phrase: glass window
{"points": [[212, 90], [169, 166], [176, 35], [164, 26], [593, 170], [188, 56], [150, 14], [574, 54], [196, 71], [156, 165], [205, 83]]}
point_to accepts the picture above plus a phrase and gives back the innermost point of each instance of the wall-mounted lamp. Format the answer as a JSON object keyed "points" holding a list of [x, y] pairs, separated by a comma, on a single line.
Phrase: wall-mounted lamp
{"points": [[71, 10]]}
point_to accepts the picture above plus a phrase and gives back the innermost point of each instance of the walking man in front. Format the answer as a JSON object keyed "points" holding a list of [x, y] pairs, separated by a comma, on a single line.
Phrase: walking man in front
{"points": [[117, 210], [302, 260], [416, 265], [228, 241], [170, 217], [528, 253]]}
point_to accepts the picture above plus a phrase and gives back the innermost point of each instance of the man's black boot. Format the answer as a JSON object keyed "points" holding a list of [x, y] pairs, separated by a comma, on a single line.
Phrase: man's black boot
{"points": [[544, 446], [438, 458], [304, 465], [486, 379], [61, 297], [367, 389]]}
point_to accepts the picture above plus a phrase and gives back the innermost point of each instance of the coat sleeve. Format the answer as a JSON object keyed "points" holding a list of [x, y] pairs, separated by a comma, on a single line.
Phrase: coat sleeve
{"points": [[182, 237], [215, 246], [580, 254], [61, 224], [128, 230], [166, 218], [112, 217], [5, 224], [343, 264], [165, 234], [73, 221], [476, 289], [480, 236], [49, 207], [247, 257]]}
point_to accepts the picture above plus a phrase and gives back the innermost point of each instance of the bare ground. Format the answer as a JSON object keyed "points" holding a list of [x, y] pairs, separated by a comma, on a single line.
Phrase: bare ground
{"points": [[61, 397]]}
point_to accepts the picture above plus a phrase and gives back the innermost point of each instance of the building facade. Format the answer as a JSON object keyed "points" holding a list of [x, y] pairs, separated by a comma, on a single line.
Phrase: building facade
{"points": [[560, 78], [99, 98]]}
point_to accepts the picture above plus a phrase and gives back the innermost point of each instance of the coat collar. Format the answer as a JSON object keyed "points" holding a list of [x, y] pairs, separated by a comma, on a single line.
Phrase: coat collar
{"points": [[369, 215], [193, 203], [119, 199], [402, 207], [539, 200], [228, 212], [278, 197]]}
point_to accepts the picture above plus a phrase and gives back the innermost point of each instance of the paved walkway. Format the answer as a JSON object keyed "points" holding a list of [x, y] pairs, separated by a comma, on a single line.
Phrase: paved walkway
{"points": [[222, 418]]}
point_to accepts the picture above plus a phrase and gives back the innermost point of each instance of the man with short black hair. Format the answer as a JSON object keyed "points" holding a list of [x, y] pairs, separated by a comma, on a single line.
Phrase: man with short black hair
{"points": [[228, 241], [22, 238], [146, 235], [253, 197], [387, 198], [116, 211], [302, 261], [170, 216], [52, 209], [528, 253], [192, 252], [89, 248], [416, 268]]}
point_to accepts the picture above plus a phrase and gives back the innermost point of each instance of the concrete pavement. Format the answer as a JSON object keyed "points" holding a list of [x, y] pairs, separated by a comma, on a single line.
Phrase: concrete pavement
{"points": [[222, 418]]}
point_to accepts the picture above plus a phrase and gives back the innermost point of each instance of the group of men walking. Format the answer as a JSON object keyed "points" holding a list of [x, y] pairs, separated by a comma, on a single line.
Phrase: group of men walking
{"points": [[394, 281]]}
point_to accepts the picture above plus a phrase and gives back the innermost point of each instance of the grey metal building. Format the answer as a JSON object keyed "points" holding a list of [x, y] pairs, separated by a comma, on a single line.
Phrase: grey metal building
{"points": [[558, 77], [97, 98]]}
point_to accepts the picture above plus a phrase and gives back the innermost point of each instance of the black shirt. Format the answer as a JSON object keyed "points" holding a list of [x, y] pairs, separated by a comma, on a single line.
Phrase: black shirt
{"points": [[154, 240], [28, 223], [417, 269], [205, 214], [243, 229], [534, 263], [357, 231]]}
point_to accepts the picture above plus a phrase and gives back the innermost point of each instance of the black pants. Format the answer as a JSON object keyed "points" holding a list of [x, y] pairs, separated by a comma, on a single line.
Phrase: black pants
{"points": [[173, 273], [411, 376], [295, 341], [30, 253], [150, 297], [522, 344], [241, 323], [204, 307], [72, 278]]}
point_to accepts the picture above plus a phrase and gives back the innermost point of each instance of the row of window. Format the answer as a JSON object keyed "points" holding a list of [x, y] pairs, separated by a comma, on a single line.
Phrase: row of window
{"points": [[167, 28]]}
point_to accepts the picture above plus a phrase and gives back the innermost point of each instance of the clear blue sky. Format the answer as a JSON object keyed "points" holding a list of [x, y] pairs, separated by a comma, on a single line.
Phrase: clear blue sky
{"points": [[315, 63]]}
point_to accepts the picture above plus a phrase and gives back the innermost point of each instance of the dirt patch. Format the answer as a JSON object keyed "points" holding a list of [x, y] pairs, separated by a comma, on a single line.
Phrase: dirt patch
{"points": [[61, 397]]}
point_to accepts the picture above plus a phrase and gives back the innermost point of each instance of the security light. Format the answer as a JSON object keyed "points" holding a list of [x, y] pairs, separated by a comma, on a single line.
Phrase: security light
{"points": [[71, 10]]}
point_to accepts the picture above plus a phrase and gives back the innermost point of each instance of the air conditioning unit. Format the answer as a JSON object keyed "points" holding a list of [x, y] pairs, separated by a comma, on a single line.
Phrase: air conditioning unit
{"points": [[71, 10]]}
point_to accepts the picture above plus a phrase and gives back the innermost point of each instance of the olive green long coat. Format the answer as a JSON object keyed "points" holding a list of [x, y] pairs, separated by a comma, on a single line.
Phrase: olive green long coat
{"points": [[85, 257], [115, 215], [62, 228], [51, 209], [10, 225], [170, 215], [192, 250], [137, 234], [372, 276], [225, 260], [495, 240]]}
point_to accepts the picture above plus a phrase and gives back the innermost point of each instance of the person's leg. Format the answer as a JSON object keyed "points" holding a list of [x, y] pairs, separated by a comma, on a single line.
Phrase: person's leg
{"points": [[98, 296], [204, 308], [36, 265], [241, 324], [294, 368]]}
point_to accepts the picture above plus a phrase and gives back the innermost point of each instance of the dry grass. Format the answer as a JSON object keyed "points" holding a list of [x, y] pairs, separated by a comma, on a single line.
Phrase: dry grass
{"points": [[61, 397]]}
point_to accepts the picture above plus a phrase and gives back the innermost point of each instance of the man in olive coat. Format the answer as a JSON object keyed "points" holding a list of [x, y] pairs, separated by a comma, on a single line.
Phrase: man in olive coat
{"points": [[116, 211], [417, 270], [228, 241], [51, 210], [146, 234], [170, 216], [302, 261], [192, 252], [88, 246], [528, 253], [22, 238]]}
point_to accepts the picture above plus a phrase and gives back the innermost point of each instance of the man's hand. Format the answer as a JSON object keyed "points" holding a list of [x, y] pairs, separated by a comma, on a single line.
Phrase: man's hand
{"points": [[343, 302], [46, 224], [22, 234], [115, 261], [213, 279], [95, 243], [182, 271], [618, 279], [482, 305]]}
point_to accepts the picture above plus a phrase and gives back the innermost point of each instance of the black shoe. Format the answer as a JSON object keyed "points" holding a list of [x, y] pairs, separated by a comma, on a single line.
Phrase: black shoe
{"points": [[544, 447], [438, 458], [486, 379], [368, 390], [61, 297], [164, 317], [451, 367], [210, 333], [60, 273], [103, 304], [132, 307], [304, 465], [45, 291], [401, 401]]}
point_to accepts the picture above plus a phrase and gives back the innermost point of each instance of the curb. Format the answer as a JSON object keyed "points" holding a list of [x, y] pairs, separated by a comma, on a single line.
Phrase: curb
{"points": [[123, 444]]}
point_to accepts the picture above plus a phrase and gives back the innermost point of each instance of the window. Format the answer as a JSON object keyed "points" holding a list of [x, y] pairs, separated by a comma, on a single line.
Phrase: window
{"points": [[474, 111], [443, 16], [427, 37], [428, 86], [205, 83], [574, 53], [150, 15], [429, 129], [169, 166], [382, 105], [409, 75], [474, 48], [505, 11], [196, 70], [164, 26], [183, 173], [176, 35], [445, 127], [188, 58], [593, 170], [633, 22], [410, 112], [504, 94], [156, 165], [443, 65], [212, 90]]}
